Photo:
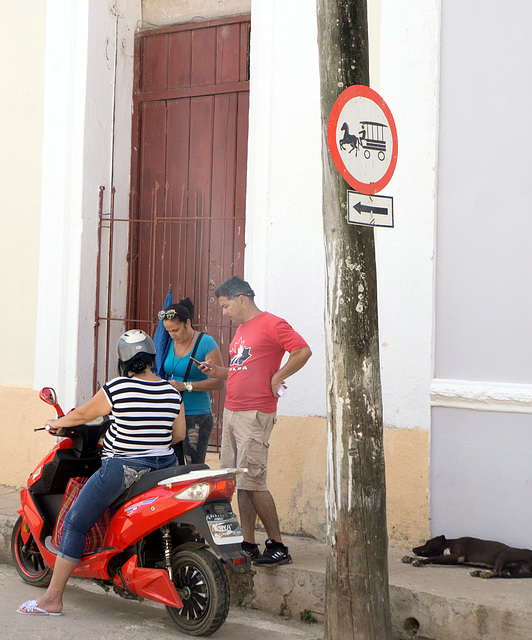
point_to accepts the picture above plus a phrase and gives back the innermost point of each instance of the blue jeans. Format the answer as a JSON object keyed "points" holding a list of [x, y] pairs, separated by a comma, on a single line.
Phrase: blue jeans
{"points": [[101, 490]]}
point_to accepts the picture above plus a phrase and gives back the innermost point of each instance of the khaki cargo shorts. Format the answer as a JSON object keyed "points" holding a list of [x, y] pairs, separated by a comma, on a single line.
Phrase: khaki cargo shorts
{"points": [[245, 437]]}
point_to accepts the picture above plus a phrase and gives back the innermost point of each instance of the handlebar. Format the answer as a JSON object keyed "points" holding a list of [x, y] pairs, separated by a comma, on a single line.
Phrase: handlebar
{"points": [[64, 432]]}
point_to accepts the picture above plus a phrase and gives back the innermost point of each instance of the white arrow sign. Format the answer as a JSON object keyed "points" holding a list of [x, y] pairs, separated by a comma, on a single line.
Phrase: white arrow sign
{"points": [[370, 211]]}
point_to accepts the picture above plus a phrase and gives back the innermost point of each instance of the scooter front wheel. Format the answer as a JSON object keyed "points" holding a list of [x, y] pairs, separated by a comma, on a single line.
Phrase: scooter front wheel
{"points": [[28, 559], [203, 586]]}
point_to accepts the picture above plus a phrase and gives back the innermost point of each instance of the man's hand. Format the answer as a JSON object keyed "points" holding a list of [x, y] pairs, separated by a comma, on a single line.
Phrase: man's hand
{"points": [[213, 370], [278, 386], [296, 360], [208, 368]]}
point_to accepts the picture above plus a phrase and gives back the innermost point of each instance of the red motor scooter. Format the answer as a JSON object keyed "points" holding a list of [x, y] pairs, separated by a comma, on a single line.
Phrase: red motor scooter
{"points": [[168, 538]]}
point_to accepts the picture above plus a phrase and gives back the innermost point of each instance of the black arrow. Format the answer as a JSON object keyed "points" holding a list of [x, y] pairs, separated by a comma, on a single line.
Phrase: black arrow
{"points": [[362, 208]]}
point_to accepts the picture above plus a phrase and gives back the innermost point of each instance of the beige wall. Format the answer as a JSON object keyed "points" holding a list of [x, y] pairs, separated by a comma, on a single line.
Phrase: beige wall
{"points": [[157, 13], [21, 411], [407, 485], [297, 468], [297, 472]]}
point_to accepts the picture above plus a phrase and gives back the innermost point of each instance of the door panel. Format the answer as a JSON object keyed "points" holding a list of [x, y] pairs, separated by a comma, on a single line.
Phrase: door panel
{"points": [[189, 164]]}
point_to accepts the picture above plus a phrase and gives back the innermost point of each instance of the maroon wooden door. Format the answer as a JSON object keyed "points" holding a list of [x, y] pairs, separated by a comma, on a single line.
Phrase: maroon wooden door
{"points": [[191, 103]]}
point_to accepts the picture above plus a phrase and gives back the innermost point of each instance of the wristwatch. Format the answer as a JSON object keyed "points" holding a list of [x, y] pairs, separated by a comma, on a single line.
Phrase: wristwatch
{"points": [[188, 386]]}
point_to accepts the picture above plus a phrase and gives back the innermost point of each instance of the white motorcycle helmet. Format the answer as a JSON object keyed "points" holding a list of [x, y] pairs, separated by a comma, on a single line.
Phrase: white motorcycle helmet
{"points": [[133, 342]]}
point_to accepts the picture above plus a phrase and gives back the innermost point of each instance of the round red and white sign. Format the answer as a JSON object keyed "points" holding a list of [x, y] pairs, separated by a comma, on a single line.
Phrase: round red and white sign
{"points": [[362, 139]]}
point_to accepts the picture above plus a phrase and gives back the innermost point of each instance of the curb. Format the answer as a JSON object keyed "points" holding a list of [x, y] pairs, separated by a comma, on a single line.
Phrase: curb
{"points": [[429, 603], [6, 527]]}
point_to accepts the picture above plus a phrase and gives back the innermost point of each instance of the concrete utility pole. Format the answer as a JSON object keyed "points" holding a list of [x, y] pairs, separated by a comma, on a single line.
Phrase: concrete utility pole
{"points": [[357, 602]]}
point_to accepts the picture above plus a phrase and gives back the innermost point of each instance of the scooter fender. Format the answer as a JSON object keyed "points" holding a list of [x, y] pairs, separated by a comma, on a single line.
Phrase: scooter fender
{"points": [[31, 517], [143, 514], [153, 584], [25, 531], [92, 566]]}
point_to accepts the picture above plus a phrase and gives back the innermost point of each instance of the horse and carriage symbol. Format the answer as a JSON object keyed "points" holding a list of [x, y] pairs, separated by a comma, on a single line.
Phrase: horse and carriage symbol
{"points": [[370, 138]]}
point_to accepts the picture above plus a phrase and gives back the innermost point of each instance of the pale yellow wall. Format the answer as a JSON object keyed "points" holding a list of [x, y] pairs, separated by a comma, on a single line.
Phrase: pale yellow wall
{"points": [[297, 472], [21, 114]]}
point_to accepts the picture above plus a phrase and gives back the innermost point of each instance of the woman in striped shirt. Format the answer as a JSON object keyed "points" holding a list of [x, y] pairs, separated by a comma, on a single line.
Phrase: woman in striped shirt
{"points": [[147, 418]]}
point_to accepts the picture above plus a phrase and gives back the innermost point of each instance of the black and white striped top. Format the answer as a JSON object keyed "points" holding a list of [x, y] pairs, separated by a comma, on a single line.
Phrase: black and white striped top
{"points": [[143, 413]]}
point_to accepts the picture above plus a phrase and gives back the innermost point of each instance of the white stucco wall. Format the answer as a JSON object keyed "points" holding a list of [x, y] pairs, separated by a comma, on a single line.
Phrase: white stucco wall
{"points": [[284, 223], [284, 257], [87, 137], [284, 228], [22, 91], [284, 234], [82, 40], [409, 83]]}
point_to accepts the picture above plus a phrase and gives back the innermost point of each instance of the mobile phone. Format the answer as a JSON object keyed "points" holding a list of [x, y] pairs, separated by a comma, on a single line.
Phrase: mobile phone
{"points": [[196, 362]]}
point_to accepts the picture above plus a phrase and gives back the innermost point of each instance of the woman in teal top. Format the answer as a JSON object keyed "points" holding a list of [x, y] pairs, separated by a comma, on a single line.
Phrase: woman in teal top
{"points": [[185, 376]]}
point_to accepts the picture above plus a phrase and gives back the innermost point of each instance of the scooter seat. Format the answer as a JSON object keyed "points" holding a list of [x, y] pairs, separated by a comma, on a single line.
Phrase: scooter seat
{"points": [[150, 480]]}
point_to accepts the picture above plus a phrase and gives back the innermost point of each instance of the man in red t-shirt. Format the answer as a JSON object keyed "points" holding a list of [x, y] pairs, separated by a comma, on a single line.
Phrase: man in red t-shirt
{"points": [[255, 381]]}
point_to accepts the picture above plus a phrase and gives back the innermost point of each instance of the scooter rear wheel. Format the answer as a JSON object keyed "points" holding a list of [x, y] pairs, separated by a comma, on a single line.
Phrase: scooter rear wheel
{"points": [[28, 559], [203, 586]]}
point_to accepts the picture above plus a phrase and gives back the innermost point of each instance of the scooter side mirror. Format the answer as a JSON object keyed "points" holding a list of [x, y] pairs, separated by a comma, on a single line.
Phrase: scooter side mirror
{"points": [[48, 395]]}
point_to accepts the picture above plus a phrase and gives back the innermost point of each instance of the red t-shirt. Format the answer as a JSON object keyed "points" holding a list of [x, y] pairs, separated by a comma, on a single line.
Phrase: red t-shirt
{"points": [[256, 353]]}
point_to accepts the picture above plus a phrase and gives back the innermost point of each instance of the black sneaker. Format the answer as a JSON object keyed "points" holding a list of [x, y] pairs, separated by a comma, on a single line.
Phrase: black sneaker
{"points": [[274, 554], [251, 549]]}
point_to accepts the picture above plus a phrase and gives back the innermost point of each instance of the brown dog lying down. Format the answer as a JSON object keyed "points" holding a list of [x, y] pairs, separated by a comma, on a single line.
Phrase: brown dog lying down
{"points": [[501, 560]]}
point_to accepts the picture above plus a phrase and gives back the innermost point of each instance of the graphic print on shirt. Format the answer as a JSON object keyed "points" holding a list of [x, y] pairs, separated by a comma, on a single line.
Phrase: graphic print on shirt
{"points": [[243, 353]]}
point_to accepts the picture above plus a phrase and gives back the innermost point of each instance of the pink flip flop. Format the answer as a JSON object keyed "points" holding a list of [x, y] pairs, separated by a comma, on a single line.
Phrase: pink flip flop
{"points": [[32, 609]]}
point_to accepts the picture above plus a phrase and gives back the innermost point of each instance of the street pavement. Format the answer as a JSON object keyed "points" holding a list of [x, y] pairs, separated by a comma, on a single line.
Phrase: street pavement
{"points": [[431, 603], [91, 614]]}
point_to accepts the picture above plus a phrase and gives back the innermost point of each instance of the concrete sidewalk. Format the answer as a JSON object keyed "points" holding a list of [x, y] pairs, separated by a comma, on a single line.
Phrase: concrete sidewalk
{"points": [[431, 603]]}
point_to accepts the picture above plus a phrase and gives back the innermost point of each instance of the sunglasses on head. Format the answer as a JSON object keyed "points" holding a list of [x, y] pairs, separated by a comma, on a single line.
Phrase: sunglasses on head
{"points": [[167, 315]]}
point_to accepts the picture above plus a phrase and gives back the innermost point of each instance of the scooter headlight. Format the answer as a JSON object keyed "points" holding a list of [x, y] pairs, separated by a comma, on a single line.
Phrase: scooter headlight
{"points": [[197, 492]]}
